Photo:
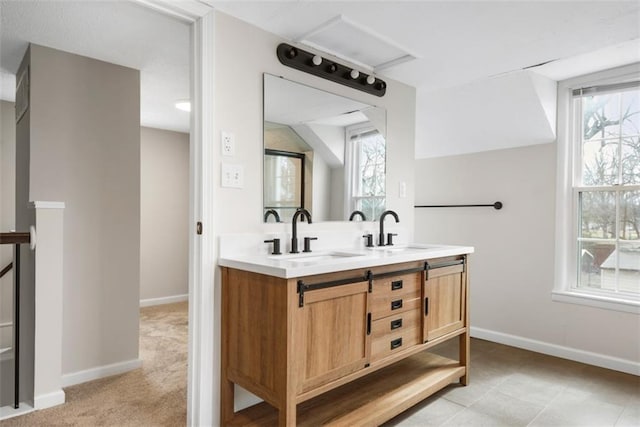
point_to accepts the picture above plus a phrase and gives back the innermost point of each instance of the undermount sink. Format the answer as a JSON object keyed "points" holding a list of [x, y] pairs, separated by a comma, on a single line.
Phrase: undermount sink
{"points": [[314, 257]]}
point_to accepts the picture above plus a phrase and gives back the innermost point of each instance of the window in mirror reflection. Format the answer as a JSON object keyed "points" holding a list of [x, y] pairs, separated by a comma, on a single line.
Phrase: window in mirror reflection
{"points": [[285, 170], [366, 150]]}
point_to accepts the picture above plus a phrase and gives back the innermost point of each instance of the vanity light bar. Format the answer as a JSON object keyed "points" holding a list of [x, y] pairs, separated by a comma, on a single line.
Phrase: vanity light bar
{"points": [[314, 64]]}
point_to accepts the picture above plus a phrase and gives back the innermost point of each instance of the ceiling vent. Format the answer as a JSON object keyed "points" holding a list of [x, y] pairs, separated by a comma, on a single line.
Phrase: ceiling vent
{"points": [[360, 45]]}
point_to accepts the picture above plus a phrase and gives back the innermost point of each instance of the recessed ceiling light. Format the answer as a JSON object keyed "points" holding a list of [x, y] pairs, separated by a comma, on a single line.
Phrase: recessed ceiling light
{"points": [[184, 105]]}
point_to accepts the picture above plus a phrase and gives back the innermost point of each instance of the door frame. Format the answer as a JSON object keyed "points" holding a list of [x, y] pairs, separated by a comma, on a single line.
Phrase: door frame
{"points": [[203, 359]]}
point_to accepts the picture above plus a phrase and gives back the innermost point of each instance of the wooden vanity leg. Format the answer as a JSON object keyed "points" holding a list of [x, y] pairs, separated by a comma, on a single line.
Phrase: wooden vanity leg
{"points": [[227, 398], [287, 414], [465, 357]]}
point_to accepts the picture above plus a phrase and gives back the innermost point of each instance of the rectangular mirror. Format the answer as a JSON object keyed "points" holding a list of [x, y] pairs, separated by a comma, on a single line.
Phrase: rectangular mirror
{"points": [[322, 152]]}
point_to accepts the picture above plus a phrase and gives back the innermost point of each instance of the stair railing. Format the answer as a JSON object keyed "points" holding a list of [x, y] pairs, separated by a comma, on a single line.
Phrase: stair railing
{"points": [[17, 239]]}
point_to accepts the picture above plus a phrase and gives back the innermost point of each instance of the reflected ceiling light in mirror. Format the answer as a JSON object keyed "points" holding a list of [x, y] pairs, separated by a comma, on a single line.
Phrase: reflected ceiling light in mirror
{"points": [[307, 62], [183, 105]]}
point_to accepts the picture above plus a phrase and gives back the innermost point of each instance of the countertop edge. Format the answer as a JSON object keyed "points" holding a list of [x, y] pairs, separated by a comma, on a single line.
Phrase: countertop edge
{"points": [[274, 267]]}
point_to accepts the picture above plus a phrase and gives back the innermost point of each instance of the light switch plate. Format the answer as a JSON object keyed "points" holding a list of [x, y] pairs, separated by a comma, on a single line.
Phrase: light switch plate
{"points": [[402, 190], [232, 176], [227, 143]]}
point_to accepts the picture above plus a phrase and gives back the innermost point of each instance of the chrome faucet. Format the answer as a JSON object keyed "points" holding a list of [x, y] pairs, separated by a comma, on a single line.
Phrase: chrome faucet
{"points": [[356, 213], [294, 227], [271, 212], [382, 217]]}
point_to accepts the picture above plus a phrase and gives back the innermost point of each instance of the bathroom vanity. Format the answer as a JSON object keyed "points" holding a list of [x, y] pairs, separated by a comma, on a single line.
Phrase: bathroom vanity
{"points": [[341, 337]]}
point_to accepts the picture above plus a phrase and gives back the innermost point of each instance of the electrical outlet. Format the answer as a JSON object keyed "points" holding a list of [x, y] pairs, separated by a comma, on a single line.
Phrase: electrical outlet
{"points": [[228, 143], [232, 176]]}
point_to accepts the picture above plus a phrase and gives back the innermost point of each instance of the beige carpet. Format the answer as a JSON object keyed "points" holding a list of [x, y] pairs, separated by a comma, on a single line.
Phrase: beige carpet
{"points": [[154, 395]]}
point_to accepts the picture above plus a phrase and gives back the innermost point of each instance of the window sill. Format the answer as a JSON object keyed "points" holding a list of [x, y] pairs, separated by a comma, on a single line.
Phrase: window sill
{"points": [[599, 301]]}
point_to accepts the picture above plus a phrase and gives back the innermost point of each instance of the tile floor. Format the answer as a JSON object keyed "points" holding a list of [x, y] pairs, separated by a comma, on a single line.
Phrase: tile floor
{"points": [[514, 387]]}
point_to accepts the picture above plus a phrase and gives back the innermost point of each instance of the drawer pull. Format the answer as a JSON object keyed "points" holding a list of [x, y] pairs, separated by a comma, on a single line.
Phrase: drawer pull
{"points": [[395, 324], [396, 304], [396, 343], [396, 285]]}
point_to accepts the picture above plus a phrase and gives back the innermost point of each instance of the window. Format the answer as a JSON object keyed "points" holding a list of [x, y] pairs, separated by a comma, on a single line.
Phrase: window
{"points": [[601, 229], [366, 161]]}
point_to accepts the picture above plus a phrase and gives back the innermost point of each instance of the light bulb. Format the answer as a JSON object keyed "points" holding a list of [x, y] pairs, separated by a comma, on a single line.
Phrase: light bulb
{"points": [[354, 74], [317, 60], [371, 80]]}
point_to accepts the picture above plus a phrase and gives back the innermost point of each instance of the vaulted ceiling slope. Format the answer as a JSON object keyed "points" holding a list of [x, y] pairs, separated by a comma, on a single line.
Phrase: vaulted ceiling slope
{"points": [[478, 84]]}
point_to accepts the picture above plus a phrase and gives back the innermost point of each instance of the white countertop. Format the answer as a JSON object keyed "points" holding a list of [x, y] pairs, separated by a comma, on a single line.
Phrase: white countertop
{"points": [[288, 266]]}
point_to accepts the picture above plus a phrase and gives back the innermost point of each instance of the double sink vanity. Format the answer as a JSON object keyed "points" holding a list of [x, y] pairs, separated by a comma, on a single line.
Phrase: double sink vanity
{"points": [[332, 327], [339, 336]]}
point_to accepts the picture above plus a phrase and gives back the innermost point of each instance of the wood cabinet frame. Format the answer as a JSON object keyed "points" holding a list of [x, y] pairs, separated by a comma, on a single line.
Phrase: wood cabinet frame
{"points": [[266, 327]]}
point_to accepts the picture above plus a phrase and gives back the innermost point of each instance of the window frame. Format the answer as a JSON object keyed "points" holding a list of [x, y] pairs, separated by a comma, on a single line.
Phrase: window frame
{"points": [[351, 200], [567, 221]]}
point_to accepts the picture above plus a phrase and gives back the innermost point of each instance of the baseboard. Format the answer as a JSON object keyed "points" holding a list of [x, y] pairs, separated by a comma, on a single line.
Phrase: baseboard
{"points": [[582, 356], [164, 300], [100, 372], [48, 400], [7, 412]]}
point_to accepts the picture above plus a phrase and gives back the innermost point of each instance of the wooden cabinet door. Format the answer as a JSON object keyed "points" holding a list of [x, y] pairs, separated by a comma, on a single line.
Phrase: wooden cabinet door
{"points": [[445, 302], [332, 328]]}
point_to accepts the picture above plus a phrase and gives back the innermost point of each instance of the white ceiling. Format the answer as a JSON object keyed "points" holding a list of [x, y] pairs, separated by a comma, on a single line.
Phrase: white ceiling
{"points": [[456, 42], [460, 41], [119, 32]]}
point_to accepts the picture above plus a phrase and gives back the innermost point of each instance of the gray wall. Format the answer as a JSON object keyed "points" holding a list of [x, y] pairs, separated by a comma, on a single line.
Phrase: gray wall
{"points": [[85, 151], [7, 210], [7, 223], [24, 218], [164, 213], [512, 271]]}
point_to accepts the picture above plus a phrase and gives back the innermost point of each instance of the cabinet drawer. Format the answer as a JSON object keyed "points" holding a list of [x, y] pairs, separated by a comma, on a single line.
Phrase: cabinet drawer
{"points": [[395, 324], [397, 285], [398, 339], [389, 305]]}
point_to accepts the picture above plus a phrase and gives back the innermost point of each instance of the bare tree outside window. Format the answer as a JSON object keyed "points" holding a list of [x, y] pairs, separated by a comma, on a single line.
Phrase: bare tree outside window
{"points": [[369, 183], [609, 191]]}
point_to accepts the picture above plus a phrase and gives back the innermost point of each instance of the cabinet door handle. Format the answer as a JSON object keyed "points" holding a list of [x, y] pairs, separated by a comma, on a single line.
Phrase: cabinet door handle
{"points": [[396, 343], [396, 285], [395, 324], [396, 304], [368, 323], [426, 306]]}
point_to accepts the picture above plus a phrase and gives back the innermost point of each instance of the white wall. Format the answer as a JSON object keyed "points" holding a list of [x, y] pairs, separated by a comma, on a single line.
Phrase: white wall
{"points": [[512, 110], [164, 209], [243, 54], [238, 105], [85, 151], [321, 202], [512, 271]]}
